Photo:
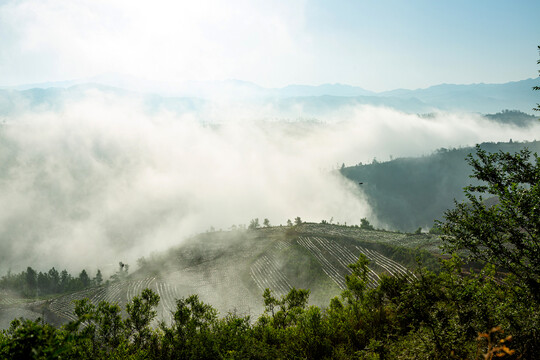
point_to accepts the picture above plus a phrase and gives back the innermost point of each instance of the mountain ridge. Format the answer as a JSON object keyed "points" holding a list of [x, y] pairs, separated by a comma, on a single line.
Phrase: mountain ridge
{"points": [[477, 97]]}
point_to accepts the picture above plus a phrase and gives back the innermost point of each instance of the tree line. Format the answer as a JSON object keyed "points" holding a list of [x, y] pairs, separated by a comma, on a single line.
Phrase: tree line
{"points": [[30, 283], [438, 316]]}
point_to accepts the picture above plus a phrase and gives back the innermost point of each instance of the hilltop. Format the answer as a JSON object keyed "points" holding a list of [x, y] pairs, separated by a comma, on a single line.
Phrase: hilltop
{"points": [[231, 269]]}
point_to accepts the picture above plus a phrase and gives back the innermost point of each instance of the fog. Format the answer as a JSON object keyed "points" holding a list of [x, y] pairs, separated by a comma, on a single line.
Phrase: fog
{"points": [[102, 180]]}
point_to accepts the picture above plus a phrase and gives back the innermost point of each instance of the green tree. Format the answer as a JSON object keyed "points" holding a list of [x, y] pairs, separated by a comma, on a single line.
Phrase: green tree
{"points": [[42, 283], [537, 108], [99, 277], [65, 280], [31, 280], [505, 234], [84, 279], [254, 224], [364, 224], [54, 278], [297, 220], [266, 223], [190, 336], [141, 311], [286, 310]]}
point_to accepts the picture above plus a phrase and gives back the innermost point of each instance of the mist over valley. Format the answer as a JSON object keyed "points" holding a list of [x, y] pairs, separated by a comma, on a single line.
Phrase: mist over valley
{"points": [[95, 174]]}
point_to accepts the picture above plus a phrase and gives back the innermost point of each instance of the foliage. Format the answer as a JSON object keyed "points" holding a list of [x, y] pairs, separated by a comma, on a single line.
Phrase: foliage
{"points": [[505, 234], [512, 117], [537, 108], [406, 193], [30, 283], [364, 224], [435, 316], [254, 224]]}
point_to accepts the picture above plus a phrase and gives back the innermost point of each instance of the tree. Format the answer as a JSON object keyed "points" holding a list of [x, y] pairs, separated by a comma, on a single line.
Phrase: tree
{"points": [[99, 278], [289, 222], [364, 224], [141, 311], [191, 333], [297, 221], [42, 283], [254, 224], [505, 234], [31, 280], [65, 280], [84, 279], [286, 310], [54, 277], [121, 273], [537, 108], [266, 223]]}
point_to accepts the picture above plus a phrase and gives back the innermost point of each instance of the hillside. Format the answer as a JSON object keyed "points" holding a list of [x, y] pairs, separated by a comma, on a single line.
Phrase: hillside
{"points": [[408, 193], [230, 270]]}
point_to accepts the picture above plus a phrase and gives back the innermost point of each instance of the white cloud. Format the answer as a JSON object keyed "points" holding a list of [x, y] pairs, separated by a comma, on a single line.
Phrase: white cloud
{"points": [[163, 40], [101, 180]]}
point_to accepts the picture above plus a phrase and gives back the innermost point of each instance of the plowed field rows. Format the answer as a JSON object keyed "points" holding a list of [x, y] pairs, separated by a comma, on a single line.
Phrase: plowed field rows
{"points": [[335, 257], [391, 267]]}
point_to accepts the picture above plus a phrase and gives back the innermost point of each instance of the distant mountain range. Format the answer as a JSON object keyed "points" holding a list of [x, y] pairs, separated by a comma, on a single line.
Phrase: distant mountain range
{"points": [[480, 98]]}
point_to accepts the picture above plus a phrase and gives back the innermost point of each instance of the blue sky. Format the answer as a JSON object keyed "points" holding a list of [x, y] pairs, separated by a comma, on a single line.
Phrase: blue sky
{"points": [[378, 45]]}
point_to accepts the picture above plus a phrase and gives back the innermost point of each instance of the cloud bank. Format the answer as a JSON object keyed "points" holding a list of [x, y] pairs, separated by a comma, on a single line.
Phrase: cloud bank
{"points": [[101, 180]]}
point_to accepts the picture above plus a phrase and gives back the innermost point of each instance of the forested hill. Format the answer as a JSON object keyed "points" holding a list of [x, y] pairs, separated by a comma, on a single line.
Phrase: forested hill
{"points": [[407, 193]]}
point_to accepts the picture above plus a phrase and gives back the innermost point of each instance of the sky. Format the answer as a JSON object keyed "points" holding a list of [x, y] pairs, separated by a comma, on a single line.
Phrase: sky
{"points": [[377, 45]]}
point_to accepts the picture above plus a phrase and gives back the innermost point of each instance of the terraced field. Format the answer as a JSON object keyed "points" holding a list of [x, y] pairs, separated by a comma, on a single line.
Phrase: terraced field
{"points": [[9, 298], [230, 270], [266, 271]]}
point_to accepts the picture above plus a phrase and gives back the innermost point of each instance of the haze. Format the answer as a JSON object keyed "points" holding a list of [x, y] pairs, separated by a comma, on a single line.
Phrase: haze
{"points": [[101, 179], [378, 45]]}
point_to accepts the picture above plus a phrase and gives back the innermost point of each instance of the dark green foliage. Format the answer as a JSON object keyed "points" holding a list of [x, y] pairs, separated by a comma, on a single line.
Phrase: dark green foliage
{"points": [[365, 225], [537, 108], [191, 333], [30, 283], [84, 279], [505, 234], [513, 117], [436, 316], [286, 310], [26, 339], [141, 312]]}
